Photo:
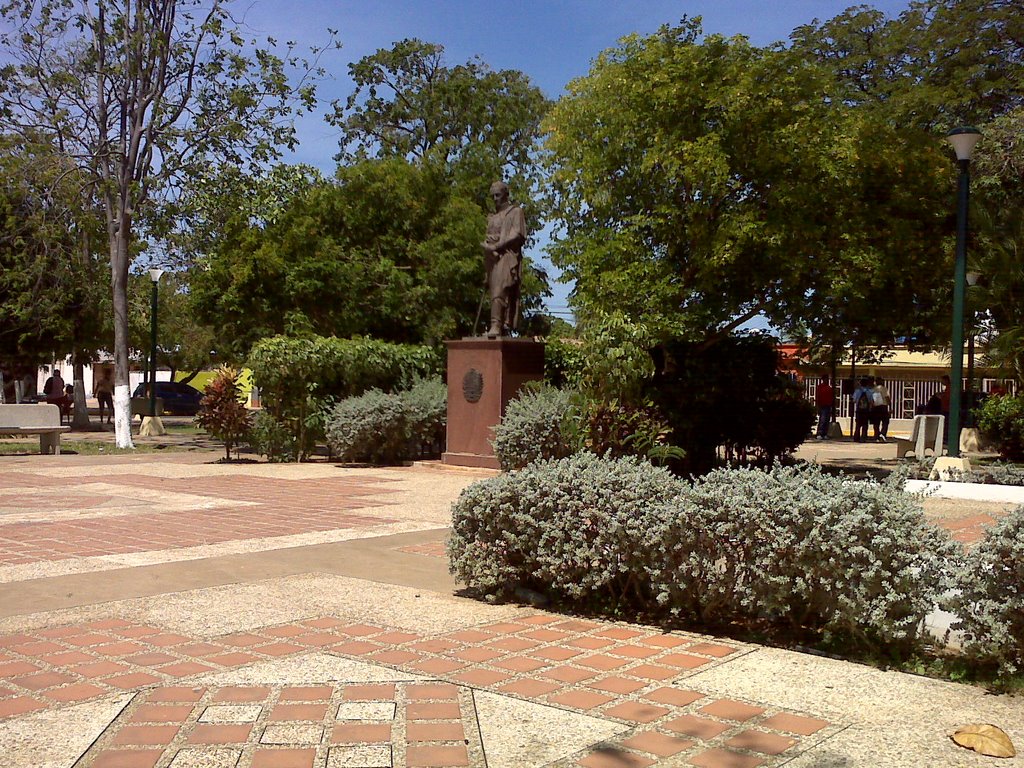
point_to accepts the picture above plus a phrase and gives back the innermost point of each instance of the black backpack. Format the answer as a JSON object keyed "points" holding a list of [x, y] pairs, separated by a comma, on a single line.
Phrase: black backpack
{"points": [[864, 401]]}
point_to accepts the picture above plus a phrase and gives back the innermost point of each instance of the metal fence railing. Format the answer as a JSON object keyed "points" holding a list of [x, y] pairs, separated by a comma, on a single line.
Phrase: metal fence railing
{"points": [[908, 395]]}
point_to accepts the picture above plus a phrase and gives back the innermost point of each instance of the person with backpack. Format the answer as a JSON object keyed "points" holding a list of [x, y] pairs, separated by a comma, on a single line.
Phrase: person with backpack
{"points": [[880, 402], [862, 410]]}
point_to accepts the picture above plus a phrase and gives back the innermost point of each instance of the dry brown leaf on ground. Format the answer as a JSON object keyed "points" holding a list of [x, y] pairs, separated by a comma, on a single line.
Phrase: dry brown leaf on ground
{"points": [[985, 739]]}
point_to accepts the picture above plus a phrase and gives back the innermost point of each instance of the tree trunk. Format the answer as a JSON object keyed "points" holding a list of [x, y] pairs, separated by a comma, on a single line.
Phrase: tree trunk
{"points": [[119, 284], [191, 376], [80, 420]]}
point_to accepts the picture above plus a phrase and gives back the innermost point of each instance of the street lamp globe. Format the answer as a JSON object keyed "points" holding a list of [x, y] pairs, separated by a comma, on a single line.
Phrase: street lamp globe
{"points": [[963, 141]]}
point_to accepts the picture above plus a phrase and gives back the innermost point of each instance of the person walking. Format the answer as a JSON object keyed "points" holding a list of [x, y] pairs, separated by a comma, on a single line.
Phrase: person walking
{"points": [[824, 399], [862, 410], [104, 392], [880, 414]]}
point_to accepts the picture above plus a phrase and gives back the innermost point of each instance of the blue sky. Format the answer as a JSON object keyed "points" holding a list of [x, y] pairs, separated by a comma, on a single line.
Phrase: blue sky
{"points": [[552, 42]]}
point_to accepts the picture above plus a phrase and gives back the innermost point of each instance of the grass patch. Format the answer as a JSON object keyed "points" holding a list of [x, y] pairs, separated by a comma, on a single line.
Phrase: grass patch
{"points": [[184, 429], [84, 447]]}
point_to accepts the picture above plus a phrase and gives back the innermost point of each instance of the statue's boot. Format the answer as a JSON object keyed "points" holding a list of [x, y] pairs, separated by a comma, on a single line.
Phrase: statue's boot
{"points": [[497, 313]]}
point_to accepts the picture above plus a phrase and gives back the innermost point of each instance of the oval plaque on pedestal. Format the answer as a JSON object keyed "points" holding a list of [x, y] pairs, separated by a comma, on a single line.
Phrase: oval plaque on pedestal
{"points": [[472, 385]]}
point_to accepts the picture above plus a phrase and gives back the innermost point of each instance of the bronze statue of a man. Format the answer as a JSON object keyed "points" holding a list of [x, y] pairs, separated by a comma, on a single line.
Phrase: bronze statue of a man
{"points": [[503, 258]]}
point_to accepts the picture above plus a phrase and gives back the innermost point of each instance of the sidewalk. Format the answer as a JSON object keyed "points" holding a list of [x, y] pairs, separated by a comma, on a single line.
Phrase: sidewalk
{"points": [[165, 611]]}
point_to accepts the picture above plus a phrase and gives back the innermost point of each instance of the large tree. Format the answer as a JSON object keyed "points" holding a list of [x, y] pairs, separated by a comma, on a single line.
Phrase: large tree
{"points": [[387, 250], [54, 298], [141, 95], [473, 123], [937, 65], [701, 181]]}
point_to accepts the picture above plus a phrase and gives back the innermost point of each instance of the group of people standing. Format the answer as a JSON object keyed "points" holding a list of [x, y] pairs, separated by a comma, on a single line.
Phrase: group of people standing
{"points": [[871, 402]]}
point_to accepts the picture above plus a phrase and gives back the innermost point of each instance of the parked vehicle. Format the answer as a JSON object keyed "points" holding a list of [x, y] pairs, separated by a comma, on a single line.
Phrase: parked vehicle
{"points": [[179, 399]]}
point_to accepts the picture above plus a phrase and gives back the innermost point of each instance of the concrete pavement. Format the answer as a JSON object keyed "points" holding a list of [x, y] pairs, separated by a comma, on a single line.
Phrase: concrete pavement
{"points": [[164, 610]]}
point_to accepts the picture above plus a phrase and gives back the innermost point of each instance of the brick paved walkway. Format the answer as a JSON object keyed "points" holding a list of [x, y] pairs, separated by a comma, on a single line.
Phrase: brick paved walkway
{"points": [[264, 509], [218, 663], [630, 675]]}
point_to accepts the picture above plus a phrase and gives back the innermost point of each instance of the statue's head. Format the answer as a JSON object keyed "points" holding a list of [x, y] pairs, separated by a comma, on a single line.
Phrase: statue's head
{"points": [[499, 194]]}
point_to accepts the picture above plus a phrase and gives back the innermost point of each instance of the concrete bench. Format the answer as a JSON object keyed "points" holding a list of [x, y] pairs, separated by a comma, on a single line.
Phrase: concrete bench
{"points": [[927, 434], [42, 420], [140, 406]]}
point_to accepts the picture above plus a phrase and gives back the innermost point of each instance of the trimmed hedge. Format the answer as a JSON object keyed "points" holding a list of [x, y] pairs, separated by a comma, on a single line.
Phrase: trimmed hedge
{"points": [[790, 551], [387, 428], [299, 377]]}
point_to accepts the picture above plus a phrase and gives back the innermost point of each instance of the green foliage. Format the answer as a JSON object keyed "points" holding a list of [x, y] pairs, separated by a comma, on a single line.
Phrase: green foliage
{"points": [[222, 413], [940, 63], [729, 394], [273, 438], [616, 357], [372, 427], [1001, 421], [387, 250], [795, 553], [426, 415], [699, 181], [533, 427], [298, 377], [54, 284], [563, 362], [615, 429], [467, 121], [989, 596]]}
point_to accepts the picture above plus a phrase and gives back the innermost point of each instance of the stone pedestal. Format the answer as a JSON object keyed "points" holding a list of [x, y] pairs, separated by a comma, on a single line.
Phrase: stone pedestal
{"points": [[483, 375]]}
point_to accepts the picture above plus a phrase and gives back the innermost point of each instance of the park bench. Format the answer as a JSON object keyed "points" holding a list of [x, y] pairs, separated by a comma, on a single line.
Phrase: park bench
{"points": [[927, 434], [42, 420], [140, 406]]}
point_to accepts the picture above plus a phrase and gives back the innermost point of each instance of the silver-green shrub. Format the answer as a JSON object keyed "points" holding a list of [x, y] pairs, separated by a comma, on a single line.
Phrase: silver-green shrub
{"points": [[791, 550], [810, 553], [426, 413], [577, 528], [371, 427], [989, 596], [532, 428]]}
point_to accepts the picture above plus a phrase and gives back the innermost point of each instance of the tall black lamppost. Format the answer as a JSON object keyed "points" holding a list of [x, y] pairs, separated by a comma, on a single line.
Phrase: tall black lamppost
{"points": [[154, 275], [963, 141]]}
